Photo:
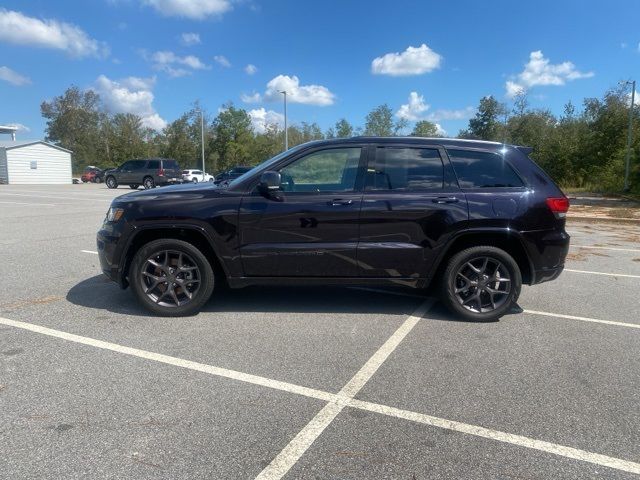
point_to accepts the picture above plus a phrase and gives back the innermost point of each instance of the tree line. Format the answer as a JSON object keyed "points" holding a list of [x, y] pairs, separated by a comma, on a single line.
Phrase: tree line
{"points": [[582, 148]]}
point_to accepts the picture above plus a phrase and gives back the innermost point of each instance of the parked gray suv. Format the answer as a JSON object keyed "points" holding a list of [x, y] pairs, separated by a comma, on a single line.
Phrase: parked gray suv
{"points": [[149, 173]]}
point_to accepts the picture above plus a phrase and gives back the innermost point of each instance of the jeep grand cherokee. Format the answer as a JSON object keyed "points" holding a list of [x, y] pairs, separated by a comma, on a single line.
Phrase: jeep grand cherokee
{"points": [[481, 218]]}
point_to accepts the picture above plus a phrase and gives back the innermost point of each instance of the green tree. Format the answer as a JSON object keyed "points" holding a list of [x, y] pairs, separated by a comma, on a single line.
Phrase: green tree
{"points": [[379, 122], [343, 129], [486, 124], [129, 139], [232, 137], [73, 122], [425, 128]]}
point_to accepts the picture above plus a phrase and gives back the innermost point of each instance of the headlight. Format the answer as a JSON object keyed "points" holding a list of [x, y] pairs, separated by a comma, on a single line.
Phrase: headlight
{"points": [[114, 214]]}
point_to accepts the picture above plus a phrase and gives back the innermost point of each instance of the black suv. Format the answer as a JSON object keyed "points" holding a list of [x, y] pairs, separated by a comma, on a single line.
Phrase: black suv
{"points": [[480, 217], [148, 173]]}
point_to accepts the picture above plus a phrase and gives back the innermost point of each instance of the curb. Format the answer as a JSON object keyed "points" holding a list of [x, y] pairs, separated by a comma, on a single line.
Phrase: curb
{"points": [[579, 218]]}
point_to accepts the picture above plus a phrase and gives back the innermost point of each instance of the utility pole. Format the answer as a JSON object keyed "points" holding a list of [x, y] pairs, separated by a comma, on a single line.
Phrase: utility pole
{"points": [[629, 135], [286, 133], [202, 141]]}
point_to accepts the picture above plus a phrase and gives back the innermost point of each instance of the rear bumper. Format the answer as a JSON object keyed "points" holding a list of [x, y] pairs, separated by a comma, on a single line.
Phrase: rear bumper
{"points": [[547, 250]]}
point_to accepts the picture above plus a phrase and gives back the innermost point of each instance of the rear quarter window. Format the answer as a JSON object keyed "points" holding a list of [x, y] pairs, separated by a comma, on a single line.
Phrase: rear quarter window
{"points": [[476, 169]]}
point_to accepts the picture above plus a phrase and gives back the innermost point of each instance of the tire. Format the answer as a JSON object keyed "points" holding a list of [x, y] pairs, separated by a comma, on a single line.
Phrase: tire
{"points": [[211, 179], [148, 183], [498, 281], [111, 182], [133, 186], [159, 300], [98, 180], [194, 180]]}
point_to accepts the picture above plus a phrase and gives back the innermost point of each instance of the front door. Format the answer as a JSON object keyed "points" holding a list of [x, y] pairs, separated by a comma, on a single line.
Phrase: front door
{"points": [[309, 227], [411, 206]]}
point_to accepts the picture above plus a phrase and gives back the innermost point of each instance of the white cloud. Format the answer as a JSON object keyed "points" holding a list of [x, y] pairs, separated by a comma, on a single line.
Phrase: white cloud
{"points": [[413, 61], [539, 71], [19, 126], [189, 39], [296, 93], [19, 29], [193, 9], [261, 118], [222, 61], [131, 95], [413, 110], [13, 77], [253, 98], [444, 114], [250, 69], [175, 65]]}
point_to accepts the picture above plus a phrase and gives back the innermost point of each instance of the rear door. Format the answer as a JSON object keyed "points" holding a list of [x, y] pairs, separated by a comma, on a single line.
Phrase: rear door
{"points": [[411, 206], [172, 170], [309, 228]]}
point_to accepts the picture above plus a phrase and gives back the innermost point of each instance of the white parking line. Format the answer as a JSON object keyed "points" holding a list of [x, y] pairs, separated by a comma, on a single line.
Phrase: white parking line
{"points": [[57, 197], [290, 455], [617, 249], [582, 319], [602, 273], [89, 251], [340, 401], [32, 204]]}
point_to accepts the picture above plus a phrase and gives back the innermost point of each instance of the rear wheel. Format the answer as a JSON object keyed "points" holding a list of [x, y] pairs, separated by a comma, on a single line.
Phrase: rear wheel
{"points": [[171, 277], [133, 186], [111, 182], [98, 180], [194, 180], [148, 183], [481, 283]]}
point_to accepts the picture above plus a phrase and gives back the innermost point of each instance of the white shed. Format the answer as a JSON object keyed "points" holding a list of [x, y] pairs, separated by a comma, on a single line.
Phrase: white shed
{"points": [[34, 162]]}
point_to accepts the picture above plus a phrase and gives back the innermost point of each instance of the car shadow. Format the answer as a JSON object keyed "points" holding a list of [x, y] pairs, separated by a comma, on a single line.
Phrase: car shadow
{"points": [[99, 293]]}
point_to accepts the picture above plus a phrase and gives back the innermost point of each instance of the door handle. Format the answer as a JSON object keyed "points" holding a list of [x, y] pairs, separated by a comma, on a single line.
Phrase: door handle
{"points": [[441, 200], [338, 201]]}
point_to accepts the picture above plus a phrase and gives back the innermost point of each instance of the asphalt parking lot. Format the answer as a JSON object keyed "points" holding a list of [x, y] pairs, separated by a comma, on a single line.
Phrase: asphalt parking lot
{"points": [[329, 383]]}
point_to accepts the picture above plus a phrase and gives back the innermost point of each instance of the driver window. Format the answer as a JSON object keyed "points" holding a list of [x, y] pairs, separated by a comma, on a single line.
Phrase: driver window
{"points": [[332, 170]]}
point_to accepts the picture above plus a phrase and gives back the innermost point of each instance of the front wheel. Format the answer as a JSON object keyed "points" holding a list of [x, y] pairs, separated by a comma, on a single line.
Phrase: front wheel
{"points": [[481, 283], [111, 182], [171, 278], [148, 183]]}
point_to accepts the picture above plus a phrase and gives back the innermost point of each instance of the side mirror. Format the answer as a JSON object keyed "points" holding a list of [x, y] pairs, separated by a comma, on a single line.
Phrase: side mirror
{"points": [[269, 181]]}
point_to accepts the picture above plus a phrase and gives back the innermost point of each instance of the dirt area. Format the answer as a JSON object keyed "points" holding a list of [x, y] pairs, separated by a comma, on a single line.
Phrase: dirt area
{"points": [[602, 208]]}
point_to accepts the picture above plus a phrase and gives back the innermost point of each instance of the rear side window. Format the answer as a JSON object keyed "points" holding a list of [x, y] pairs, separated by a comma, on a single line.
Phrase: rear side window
{"points": [[405, 169], [171, 164], [482, 170], [137, 165], [153, 164]]}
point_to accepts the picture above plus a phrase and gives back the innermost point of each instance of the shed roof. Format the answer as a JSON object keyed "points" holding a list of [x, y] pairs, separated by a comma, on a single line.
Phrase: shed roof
{"points": [[8, 144]]}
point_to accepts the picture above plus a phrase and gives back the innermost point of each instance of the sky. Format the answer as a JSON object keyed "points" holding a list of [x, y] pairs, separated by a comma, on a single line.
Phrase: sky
{"points": [[336, 58]]}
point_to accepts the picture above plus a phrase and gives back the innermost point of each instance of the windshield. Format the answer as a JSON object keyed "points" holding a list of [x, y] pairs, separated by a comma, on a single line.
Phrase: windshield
{"points": [[265, 165]]}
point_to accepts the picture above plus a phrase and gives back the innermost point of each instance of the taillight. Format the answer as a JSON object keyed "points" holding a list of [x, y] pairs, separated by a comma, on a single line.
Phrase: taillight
{"points": [[161, 172], [559, 206]]}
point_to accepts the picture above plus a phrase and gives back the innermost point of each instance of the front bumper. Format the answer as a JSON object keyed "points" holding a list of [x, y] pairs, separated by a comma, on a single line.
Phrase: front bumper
{"points": [[110, 252]]}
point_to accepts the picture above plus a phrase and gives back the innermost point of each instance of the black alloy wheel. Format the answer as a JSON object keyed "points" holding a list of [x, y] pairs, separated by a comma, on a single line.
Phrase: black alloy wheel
{"points": [[481, 283], [171, 277]]}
